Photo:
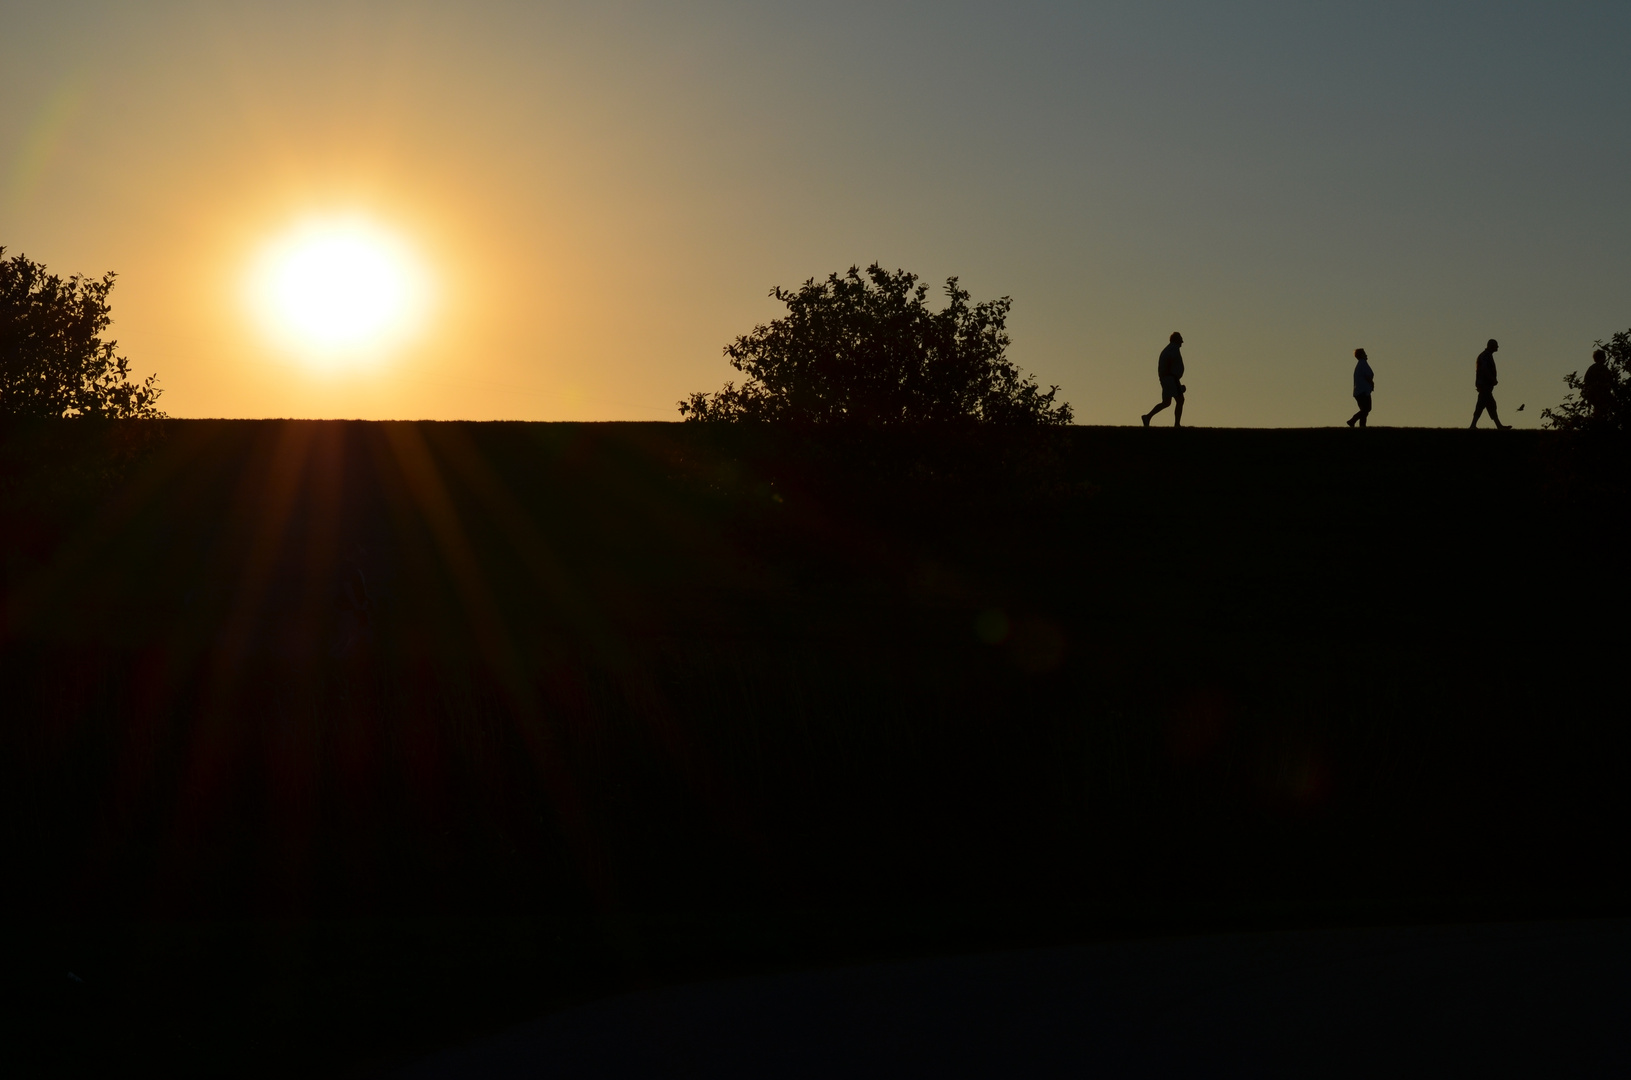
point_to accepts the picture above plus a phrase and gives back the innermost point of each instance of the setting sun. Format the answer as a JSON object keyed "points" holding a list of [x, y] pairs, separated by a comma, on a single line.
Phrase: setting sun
{"points": [[339, 288]]}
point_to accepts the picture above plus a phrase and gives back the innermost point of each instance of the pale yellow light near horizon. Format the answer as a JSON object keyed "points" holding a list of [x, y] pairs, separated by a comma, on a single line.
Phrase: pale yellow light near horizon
{"points": [[339, 291]]}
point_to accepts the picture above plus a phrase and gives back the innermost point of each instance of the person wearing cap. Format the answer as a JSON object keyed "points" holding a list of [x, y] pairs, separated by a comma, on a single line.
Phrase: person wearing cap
{"points": [[1170, 370], [1364, 386], [1484, 382]]}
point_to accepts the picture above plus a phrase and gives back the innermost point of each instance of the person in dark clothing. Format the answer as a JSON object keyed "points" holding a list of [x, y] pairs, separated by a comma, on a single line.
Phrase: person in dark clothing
{"points": [[1597, 388], [1484, 382], [1170, 369], [1364, 386]]}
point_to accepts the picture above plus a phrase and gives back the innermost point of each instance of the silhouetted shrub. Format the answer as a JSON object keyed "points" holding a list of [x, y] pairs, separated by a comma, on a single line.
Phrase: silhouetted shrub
{"points": [[1577, 414], [865, 349], [53, 361]]}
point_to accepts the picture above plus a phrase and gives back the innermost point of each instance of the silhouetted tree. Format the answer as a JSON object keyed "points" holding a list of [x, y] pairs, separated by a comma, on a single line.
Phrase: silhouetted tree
{"points": [[1578, 414], [53, 361], [865, 349]]}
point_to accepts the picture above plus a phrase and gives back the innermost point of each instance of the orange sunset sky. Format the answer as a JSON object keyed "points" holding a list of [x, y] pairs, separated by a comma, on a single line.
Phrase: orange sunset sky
{"points": [[599, 196]]}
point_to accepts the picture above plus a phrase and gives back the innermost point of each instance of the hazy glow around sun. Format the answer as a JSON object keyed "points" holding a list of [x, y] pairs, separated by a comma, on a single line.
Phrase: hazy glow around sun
{"points": [[339, 289]]}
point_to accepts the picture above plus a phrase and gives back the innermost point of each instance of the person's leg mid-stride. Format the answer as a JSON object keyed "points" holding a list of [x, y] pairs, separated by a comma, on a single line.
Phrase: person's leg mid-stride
{"points": [[1486, 403], [1364, 410], [1169, 396]]}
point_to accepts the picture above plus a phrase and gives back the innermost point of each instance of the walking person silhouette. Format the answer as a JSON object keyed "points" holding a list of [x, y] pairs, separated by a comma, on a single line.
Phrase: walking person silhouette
{"points": [[1484, 382], [1170, 370], [1364, 386]]}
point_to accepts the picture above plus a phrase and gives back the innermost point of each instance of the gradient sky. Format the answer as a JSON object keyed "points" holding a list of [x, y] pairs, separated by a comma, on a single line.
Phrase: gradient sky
{"points": [[607, 191]]}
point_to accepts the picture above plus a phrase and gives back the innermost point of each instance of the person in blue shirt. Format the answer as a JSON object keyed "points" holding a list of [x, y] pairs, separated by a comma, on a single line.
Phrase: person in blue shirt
{"points": [[1170, 370], [1364, 386]]}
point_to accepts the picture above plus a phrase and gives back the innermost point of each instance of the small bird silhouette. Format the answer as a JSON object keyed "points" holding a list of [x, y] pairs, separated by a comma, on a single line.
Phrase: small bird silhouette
{"points": [[1520, 408]]}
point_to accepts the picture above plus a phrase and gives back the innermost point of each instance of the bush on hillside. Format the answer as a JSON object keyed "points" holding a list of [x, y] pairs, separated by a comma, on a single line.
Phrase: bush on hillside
{"points": [[865, 349], [1577, 414], [53, 360]]}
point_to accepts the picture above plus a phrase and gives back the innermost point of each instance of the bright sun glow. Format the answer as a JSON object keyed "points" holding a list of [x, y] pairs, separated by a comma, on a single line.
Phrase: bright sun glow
{"points": [[339, 289]]}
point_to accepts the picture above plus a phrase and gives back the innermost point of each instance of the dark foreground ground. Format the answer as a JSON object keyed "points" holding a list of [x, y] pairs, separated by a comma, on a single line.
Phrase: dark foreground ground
{"points": [[328, 745], [1488, 1000]]}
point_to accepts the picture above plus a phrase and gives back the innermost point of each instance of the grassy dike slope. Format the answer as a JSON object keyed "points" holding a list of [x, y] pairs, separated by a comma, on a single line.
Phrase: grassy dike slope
{"points": [[643, 702]]}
